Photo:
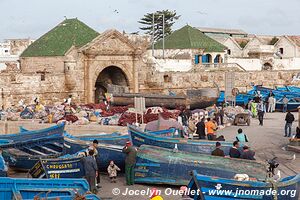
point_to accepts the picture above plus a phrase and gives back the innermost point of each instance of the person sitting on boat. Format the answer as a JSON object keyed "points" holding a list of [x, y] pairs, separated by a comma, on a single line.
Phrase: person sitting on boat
{"points": [[130, 161], [241, 137], [201, 128], [234, 152], [112, 171], [3, 166], [247, 153], [211, 128], [218, 151], [91, 170]]}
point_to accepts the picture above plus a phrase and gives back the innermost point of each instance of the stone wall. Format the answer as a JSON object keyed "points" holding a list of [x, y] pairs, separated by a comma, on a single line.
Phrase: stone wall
{"points": [[179, 82]]}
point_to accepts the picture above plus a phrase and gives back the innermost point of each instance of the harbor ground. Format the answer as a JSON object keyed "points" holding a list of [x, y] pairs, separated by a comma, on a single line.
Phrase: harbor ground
{"points": [[267, 141]]}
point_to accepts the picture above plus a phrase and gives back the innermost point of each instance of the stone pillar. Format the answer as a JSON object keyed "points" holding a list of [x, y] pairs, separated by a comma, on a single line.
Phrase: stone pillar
{"points": [[136, 64]]}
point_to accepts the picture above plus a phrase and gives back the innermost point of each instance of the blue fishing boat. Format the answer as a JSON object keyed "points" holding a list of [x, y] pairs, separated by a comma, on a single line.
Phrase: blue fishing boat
{"points": [[292, 105], [21, 189], [113, 138], [139, 137], [22, 151], [116, 138], [203, 187], [34, 136], [107, 152], [66, 166], [156, 165]]}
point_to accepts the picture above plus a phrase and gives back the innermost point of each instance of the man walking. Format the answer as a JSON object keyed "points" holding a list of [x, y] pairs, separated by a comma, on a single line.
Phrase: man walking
{"points": [[261, 112], [289, 119], [130, 161], [91, 170], [285, 102]]}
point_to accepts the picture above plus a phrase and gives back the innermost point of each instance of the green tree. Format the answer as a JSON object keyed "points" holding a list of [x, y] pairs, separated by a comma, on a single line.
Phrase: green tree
{"points": [[170, 19]]}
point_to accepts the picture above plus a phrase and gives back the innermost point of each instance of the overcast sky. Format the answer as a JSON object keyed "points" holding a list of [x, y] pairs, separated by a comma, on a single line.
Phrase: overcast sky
{"points": [[32, 18]]}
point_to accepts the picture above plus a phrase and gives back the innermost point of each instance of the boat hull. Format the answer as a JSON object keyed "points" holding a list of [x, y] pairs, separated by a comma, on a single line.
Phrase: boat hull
{"points": [[70, 167], [204, 188], [139, 138], [157, 165], [21, 188], [26, 148], [106, 152]]}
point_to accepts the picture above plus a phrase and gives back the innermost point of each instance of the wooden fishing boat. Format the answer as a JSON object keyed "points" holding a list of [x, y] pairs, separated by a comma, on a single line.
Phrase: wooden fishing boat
{"points": [[21, 189], [292, 105], [138, 138], [207, 188], [10, 140], [23, 150], [107, 152], [113, 138], [202, 98], [116, 138], [67, 166], [156, 165], [151, 100]]}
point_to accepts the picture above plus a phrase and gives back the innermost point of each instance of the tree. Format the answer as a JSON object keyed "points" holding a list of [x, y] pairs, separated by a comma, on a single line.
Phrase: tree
{"points": [[170, 19]]}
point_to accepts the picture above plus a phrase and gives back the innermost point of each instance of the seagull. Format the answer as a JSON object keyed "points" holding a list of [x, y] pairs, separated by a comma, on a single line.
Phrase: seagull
{"points": [[277, 177], [201, 13], [116, 11], [294, 157]]}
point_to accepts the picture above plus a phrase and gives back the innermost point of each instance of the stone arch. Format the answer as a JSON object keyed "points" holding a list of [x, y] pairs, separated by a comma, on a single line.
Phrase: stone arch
{"points": [[267, 66], [111, 74]]}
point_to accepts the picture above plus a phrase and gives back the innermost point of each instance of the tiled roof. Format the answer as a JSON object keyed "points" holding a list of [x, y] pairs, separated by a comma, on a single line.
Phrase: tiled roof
{"points": [[56, 42], [190, 38]]}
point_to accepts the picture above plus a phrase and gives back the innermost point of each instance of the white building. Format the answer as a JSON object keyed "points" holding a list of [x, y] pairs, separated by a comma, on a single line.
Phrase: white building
{"points": [[10, 50]]}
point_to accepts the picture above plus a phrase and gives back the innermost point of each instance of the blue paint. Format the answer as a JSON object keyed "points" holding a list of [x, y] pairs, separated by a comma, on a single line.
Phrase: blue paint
{"points": [[21, 188], [205, 183], [139, 138]]}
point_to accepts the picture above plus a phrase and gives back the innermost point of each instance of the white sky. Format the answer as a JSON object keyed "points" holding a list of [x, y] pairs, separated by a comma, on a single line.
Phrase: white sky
{"points": [[32, 18]]}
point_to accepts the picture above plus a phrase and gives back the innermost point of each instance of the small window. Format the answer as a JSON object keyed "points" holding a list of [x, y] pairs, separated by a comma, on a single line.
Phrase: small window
{"points": [[6, 51], [228, 51], [43, 77], [281, 51], [13, 78], [167, 78]]}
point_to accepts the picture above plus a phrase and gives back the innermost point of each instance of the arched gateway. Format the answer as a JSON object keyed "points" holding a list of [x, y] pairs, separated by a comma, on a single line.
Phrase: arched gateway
{"points": [[111, 79], [110, 60]]}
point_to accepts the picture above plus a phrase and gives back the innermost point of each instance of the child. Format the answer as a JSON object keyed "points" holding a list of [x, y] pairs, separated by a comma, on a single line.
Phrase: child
{"points": [[112, 171]]}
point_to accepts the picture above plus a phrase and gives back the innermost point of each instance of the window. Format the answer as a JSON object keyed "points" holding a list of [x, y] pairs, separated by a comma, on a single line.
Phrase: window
{"points": [[228, 51], [281, 51], [167, 78], [13, 78], [197, 59], [6, 51], [43, 77]]}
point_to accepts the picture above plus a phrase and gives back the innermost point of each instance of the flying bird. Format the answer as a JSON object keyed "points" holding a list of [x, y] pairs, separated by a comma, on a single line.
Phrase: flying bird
{"points": [[201, 13], [116, 11]]}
